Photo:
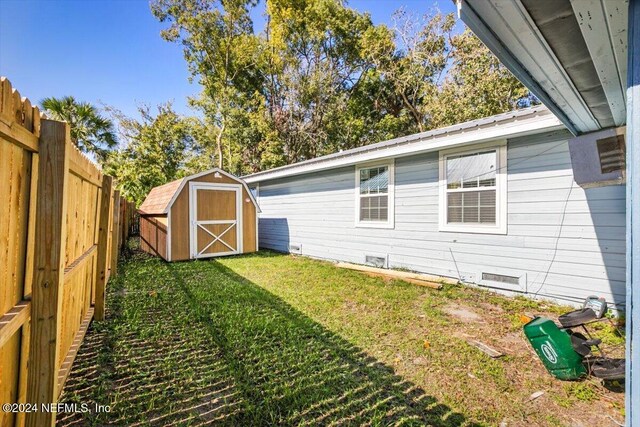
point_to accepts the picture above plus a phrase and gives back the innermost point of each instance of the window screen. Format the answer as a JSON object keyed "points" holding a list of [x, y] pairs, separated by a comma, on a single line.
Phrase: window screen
{"points": [[471, 188], [374, 197]]}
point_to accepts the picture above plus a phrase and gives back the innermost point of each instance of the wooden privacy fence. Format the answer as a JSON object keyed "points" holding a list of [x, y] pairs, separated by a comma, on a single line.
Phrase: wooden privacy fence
{"points": [[61, 225]]}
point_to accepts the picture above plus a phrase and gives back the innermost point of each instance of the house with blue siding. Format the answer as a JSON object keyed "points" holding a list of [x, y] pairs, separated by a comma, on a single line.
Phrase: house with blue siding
{"points": [[492, 202], [581, 58], [565, 222]]}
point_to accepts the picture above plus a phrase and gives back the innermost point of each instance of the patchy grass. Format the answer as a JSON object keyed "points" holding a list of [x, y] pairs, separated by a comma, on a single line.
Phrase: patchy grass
{"points": [[275, 339]]}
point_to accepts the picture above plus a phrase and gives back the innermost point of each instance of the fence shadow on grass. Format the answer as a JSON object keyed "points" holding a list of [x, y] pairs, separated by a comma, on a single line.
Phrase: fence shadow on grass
{"points": [[197, 344], [149, 368], [292, 370]]}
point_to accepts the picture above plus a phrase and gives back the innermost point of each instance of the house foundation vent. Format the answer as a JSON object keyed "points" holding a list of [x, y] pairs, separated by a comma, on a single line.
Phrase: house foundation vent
{"points": [[295, 248], [501, 278], [375, 261]]}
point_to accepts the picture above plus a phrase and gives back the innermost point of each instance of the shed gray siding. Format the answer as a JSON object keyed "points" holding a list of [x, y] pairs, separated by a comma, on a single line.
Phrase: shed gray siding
{"points": [[563, 242]]}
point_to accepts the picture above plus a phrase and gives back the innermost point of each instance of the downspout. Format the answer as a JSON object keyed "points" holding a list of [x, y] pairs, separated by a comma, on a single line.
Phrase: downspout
{"points": [[633, 219]]}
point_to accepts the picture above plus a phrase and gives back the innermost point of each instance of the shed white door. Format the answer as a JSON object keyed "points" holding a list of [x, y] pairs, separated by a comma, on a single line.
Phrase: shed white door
{"points": [[216, 219]]}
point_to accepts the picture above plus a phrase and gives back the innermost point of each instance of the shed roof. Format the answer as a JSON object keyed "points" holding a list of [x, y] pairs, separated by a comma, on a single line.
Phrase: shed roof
{"points": [[160, 198]]}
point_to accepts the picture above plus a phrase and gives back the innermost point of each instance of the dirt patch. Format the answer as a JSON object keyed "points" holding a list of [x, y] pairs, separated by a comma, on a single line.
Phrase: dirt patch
{"points": [[464, 313], [490, 308], [515, 342]]}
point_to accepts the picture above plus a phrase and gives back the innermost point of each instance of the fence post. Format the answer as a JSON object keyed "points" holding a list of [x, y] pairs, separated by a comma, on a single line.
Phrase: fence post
{"points": [[123, 221], [123, 224], [48, 272], [115, 236], [103, 247]]}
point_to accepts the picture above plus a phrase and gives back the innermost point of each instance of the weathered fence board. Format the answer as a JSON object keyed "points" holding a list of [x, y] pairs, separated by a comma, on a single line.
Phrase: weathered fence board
{"points": [[115, 233], [61, 225], [19, 133], [103, 247], [48, 281]]}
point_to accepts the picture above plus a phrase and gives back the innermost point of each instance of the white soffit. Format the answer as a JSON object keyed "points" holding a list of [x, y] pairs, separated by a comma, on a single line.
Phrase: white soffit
{"points": [[512, 25], [603, 24]]}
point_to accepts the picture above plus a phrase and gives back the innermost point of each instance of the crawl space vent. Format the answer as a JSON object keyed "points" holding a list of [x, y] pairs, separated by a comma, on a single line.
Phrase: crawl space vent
{"points": [[375, 261], [501, 278], [295, 248]]}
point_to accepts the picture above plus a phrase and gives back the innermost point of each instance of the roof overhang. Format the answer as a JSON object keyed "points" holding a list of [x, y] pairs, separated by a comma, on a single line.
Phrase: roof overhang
{"points": [[508, 125], [571, 54]]}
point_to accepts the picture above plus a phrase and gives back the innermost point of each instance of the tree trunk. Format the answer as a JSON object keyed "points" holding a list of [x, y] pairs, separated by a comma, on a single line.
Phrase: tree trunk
{"points": [[219, 145], [414, 112]]}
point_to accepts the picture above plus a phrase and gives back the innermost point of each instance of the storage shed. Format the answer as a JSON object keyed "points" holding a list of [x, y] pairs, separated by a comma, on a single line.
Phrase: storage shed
{"points": [[209, 214]]}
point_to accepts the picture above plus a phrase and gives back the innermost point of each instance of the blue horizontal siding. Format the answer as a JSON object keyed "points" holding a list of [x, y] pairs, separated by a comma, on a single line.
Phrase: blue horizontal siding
{"points": [[583, 256]]}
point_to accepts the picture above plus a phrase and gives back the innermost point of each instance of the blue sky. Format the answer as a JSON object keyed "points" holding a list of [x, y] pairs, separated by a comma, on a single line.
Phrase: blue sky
{"points": [[110, 51]]}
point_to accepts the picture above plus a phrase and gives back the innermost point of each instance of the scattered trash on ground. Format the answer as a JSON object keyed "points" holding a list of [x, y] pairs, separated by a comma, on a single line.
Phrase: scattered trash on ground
{"points": [[535, 395]]}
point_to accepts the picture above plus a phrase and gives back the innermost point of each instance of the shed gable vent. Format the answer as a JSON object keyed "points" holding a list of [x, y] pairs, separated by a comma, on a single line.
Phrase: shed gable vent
{"points": [[375, 261], [501, 278], [611, 152]]}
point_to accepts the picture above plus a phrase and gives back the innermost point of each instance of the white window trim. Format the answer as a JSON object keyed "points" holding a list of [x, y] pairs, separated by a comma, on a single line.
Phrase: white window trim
{"points": [[390, 223], [193, 208], [501, 190], [257, 215]]}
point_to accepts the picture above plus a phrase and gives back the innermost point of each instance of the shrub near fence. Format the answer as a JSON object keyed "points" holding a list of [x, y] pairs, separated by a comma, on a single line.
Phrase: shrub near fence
{"points": [[61, 227]]}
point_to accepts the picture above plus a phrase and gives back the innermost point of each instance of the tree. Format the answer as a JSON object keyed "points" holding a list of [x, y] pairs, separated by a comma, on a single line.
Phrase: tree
{"points": [[477, 85], [155, 152], [412, 57], [90, 131], [219, 46], [321, 77], [313, 65], [274, 97]]}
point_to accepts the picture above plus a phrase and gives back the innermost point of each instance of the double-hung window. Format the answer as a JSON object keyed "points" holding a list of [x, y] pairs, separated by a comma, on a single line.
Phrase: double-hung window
{"points": [[473, 190], [374, 195]]}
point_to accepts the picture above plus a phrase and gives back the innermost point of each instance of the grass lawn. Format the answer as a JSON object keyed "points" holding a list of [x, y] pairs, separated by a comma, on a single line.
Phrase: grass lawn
{"points": [[275, 339]]}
